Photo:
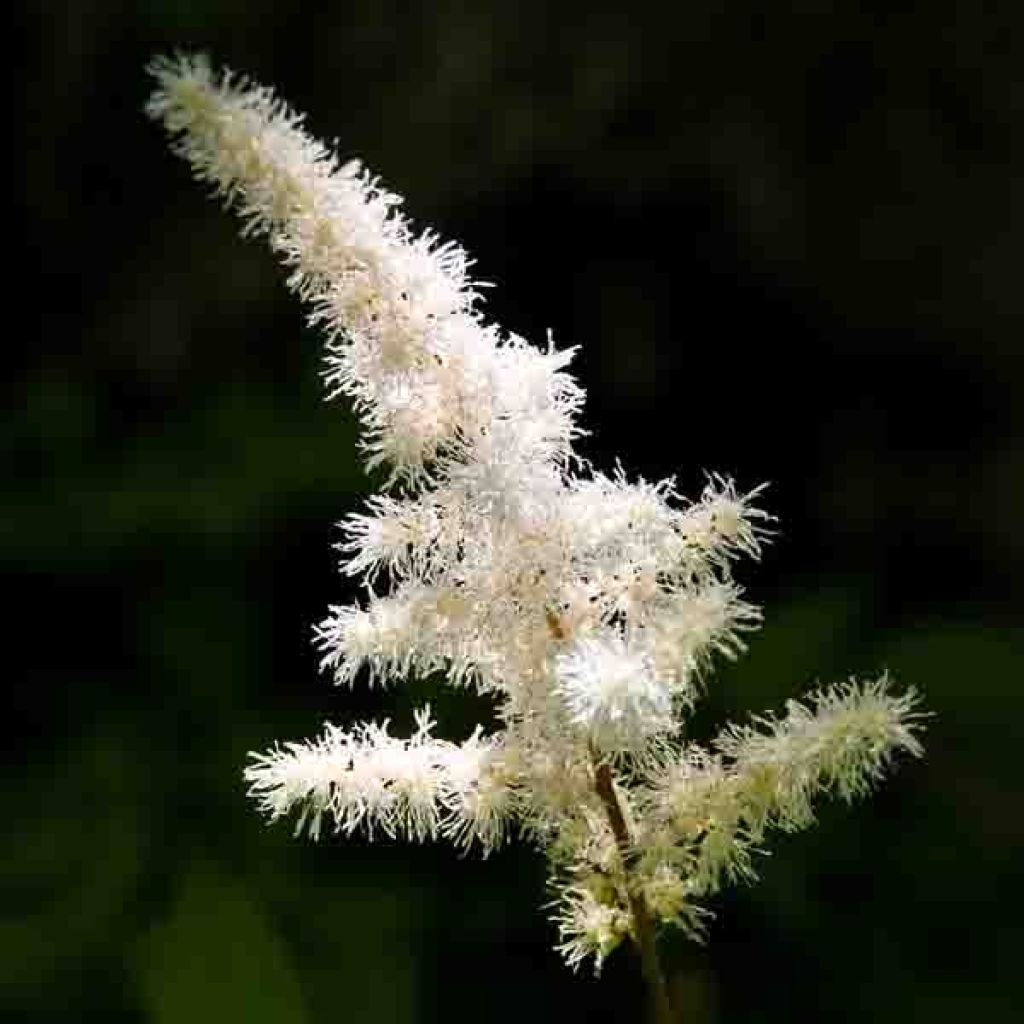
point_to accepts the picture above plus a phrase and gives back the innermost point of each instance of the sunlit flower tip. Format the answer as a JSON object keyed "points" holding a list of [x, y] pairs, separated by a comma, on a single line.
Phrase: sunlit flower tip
{"points": [[383, 637], [398, 537], [406, 344], [723, 523], [613, 693]]}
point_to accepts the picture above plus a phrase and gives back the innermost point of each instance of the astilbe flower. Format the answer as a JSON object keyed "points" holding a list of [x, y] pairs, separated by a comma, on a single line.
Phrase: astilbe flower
{"points": [[591, 607]]}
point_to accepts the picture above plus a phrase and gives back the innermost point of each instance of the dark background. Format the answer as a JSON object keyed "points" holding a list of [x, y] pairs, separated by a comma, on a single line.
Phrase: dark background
{"points": [[789, 246]]}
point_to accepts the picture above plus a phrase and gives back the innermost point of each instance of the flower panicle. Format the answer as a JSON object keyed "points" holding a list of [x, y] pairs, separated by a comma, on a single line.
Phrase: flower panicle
{"points": [[840, 740], [366, 779], [590, 608], [709, 810], [406, 343]]}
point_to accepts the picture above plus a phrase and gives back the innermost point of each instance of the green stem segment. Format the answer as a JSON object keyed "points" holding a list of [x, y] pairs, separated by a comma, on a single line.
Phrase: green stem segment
{"points": [[643, 923]]}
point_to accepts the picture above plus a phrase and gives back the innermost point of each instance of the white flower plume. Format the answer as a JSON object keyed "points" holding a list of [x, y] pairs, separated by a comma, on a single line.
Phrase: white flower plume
{"points": [[368, 779], [591, 607]]}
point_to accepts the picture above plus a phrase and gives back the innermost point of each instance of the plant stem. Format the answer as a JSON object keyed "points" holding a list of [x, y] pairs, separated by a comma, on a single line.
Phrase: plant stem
{"points": [[643, 923]]}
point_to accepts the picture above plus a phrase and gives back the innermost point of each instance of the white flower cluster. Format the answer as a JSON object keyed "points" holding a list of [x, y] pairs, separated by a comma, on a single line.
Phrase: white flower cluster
{"points": [[589, 606], [366, 778]]}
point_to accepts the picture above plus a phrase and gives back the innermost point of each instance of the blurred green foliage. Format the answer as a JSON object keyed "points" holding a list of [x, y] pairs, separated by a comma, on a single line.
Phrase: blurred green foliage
{"points": [[787, 244]]}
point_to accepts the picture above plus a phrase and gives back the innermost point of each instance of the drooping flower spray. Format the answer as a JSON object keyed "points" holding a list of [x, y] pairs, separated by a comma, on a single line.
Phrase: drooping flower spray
{"points": [[591, 607]]}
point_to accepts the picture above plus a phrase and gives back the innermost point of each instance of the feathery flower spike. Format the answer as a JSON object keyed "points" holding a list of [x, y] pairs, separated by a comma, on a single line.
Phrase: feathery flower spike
{"points": [[591, 607]]}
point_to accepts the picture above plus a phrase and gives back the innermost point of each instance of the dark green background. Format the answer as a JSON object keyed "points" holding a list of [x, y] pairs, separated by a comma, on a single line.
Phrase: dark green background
{"points": [[789, 246]]}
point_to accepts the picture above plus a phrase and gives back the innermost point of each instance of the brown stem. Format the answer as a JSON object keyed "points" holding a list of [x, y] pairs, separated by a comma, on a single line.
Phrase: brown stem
{"points": [[643, 923]]}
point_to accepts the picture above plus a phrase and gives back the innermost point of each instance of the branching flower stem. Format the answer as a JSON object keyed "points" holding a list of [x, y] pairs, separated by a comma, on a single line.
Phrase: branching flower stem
{"points": [[645, 936], [590, 608]]}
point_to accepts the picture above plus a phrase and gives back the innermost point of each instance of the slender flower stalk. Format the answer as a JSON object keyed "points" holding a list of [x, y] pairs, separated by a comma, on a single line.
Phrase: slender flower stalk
{"points": [[642, 923], [591, 607]]}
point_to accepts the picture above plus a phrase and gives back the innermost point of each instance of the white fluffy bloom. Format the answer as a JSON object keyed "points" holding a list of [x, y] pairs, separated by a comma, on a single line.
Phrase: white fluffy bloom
{"points": [[585, 605], [613, 693], [724, 523], [366, 778], [406, 343]]}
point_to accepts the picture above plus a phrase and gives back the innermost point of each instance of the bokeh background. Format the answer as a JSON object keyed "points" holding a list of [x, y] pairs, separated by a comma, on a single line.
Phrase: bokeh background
{"points": [[788, 241]]}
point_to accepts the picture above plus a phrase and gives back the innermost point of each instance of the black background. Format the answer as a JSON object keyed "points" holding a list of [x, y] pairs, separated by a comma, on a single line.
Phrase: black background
{"points": [[787, 240]]}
